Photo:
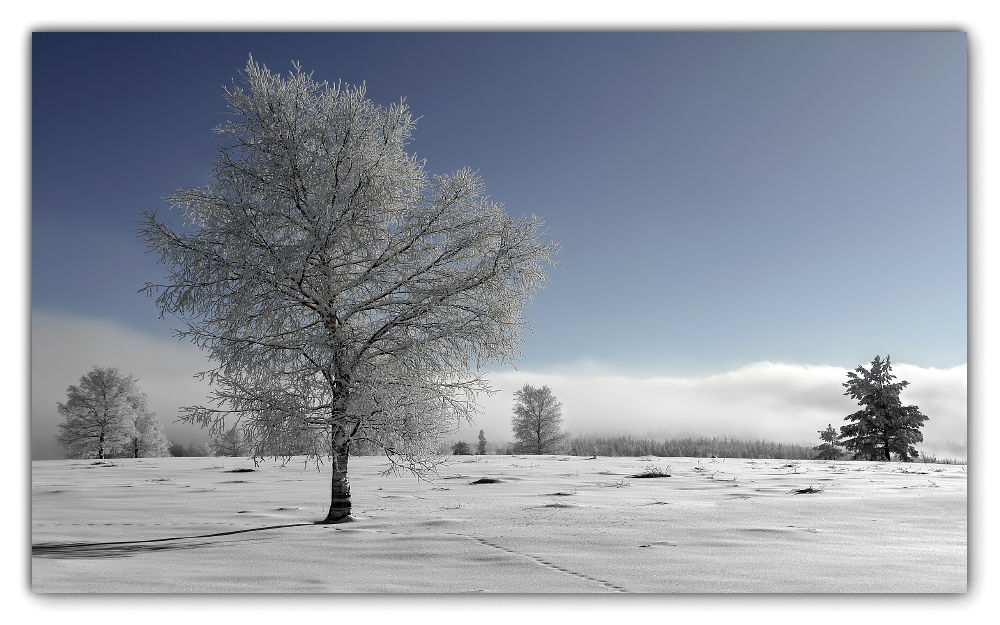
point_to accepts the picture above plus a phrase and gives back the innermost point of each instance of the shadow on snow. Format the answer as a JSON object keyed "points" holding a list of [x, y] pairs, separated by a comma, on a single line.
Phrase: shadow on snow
{"points": [[131, 547]]}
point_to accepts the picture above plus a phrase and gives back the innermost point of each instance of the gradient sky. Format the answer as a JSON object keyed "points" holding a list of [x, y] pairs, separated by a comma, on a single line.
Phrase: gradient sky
{"points": [[722, 199]]}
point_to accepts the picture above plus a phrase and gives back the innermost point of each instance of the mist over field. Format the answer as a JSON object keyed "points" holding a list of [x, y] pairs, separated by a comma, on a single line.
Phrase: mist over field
{"points": [[780, 402], [64, 348]]}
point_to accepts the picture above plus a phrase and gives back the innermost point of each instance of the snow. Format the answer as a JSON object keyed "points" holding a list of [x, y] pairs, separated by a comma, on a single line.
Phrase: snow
{"points": [[550, 524]]}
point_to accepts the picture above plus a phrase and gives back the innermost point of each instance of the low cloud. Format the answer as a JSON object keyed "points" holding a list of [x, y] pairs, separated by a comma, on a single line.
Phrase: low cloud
{"points": [[64, 348], [780, 402]]}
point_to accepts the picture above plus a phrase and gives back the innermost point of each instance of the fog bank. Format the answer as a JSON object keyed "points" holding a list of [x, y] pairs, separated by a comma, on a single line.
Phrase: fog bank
{"points": [[781, 402]]}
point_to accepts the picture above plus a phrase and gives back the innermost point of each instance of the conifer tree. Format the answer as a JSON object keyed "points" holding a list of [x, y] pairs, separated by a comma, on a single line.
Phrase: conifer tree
{"points": [[883, 426], [828, 450]]}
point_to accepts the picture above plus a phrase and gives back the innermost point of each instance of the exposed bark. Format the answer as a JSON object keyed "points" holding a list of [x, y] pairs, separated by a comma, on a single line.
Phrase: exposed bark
{"points": [[340, 487]]}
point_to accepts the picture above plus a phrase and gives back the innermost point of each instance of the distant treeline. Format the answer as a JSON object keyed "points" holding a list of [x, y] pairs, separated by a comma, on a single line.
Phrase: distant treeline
{"points": [[701, 447]]}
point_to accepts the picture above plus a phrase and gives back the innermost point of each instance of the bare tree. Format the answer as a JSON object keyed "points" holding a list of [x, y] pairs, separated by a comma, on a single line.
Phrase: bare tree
{"points": [[143, 432], [229, 443], [96, 413], [338, 286], [197, 451], [537, 421]]}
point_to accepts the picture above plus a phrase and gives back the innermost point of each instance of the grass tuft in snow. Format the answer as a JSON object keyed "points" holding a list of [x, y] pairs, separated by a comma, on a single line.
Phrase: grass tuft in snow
{"points": [[486, 480], [809, 490], [654, 471]]}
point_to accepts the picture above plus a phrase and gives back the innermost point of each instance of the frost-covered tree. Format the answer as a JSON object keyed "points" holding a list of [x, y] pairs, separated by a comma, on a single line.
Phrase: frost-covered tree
{"points": [[537, 421], [96, 413], [197, 451], [143, 432], [883, 426], [229, 443], [481, 446], [339, 287]]}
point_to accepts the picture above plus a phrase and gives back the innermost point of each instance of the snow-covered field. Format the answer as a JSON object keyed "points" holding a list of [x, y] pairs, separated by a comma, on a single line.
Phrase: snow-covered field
{"points": [[551, 524]]}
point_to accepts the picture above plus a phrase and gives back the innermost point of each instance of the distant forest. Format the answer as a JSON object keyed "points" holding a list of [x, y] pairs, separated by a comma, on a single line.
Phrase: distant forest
{"points": [[701, 447]]}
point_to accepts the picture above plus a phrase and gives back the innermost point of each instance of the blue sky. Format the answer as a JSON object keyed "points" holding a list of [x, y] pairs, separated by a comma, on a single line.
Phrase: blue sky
{"points": [[722, 199]]}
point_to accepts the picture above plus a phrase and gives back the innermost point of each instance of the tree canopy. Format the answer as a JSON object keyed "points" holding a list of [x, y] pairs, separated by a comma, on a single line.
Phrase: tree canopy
{"points": [[339, 287], [106, 415], [883, 426]]}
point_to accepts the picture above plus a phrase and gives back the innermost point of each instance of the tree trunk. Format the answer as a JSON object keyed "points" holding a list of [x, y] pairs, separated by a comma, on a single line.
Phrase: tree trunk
{"points": [[340, 488], [100, 447]]}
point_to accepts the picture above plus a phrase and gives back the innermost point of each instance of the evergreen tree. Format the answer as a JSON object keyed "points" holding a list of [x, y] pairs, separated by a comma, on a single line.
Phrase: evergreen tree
{"points": [[828, 450], [883, 426], [481, 447]]}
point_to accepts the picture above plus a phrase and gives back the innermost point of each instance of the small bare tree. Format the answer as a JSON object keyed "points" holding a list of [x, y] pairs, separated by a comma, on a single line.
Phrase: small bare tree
{"points": [[537, 421], [229, 443], [341, 290]]}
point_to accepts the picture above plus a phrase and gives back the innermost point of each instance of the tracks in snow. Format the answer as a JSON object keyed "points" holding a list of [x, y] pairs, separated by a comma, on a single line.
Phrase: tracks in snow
{"points": [[120, 549], [555, 567], [482, 541]]}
